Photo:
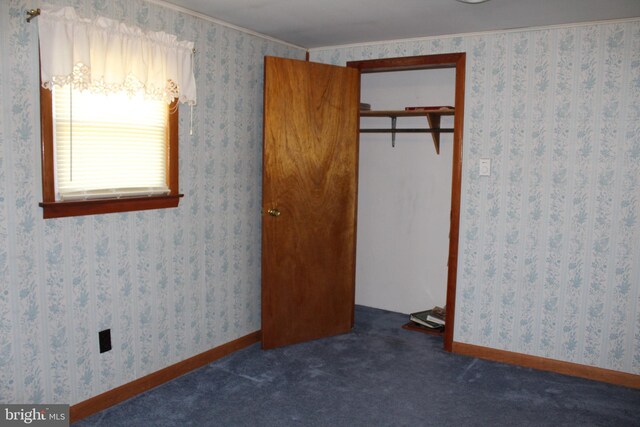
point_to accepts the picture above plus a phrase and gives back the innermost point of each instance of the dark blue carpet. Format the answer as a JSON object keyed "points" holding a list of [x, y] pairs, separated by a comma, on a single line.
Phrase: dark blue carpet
{"points": [[378, 375]]}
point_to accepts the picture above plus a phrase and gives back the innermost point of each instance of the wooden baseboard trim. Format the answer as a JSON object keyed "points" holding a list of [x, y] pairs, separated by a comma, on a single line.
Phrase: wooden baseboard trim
{"points": [[126, 391], [551, 365]]}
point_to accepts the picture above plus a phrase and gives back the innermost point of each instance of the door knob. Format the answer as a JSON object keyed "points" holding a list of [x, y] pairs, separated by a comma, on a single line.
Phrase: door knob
{"points": [[274, 212]]}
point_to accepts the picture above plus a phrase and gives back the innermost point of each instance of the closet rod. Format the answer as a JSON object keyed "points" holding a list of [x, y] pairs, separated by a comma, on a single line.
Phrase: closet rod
{"points": [[408, 130]]}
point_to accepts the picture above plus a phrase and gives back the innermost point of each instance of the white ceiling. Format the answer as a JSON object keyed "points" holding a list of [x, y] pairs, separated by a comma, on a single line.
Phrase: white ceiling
{"points": [[316, 23]]}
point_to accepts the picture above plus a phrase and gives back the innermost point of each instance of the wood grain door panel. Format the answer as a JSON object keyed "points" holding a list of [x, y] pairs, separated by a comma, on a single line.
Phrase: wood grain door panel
{"points": [[310, 153]]}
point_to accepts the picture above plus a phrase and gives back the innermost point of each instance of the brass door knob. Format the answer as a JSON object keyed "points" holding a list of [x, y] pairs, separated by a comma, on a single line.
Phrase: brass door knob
{"points": [[273, 212]]}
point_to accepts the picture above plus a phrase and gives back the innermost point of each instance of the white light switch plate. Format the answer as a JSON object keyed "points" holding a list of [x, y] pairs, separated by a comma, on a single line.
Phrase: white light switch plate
{"points": [[485, 167]]}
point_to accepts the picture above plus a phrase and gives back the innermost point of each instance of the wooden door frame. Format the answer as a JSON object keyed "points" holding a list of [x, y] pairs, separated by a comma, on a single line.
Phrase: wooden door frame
{"points": [[430, 62]]}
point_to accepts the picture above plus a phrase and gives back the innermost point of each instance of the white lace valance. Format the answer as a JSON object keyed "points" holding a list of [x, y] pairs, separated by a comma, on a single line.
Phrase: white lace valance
{"points": [[104, 55]]}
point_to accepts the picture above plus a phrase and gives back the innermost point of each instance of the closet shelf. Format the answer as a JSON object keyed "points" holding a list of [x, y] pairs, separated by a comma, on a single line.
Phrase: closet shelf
{"points": [[433, 118]]}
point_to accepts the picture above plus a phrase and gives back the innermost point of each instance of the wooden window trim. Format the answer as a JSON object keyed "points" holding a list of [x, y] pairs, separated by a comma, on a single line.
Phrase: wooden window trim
{"points": [[58, 209]]}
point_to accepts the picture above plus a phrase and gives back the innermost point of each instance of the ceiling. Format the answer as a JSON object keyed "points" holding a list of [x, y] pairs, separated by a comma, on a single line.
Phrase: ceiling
{"points": [[317, 23]]}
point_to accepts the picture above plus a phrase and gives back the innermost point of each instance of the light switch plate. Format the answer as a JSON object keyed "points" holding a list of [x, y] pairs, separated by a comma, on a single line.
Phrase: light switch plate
{"points": [[485, 167]]}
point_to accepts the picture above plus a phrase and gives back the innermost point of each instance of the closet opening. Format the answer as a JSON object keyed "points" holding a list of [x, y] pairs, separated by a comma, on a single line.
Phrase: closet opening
{"points": [[415, 161]]}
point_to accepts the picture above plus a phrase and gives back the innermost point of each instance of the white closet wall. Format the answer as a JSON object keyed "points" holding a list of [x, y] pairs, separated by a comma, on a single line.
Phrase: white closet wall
{"points": [[404, 196]]}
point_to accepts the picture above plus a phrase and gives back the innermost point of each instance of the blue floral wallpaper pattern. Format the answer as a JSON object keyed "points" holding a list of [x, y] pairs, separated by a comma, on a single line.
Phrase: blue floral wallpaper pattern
{"points": [[550, 242], [169, 283], [549, 261]]}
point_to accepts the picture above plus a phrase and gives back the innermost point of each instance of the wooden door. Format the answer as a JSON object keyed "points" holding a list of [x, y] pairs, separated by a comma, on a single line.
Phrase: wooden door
{"points": [[310, 154]]}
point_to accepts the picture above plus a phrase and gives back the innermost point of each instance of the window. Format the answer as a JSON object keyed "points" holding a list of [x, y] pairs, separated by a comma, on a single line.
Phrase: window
{"points": [[107, 153], [108, 145], [109, 114]]}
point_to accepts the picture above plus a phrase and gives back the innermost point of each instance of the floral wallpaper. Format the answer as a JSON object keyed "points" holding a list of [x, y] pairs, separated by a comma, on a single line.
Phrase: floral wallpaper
{"points": [[169, 283], [549, 261]]}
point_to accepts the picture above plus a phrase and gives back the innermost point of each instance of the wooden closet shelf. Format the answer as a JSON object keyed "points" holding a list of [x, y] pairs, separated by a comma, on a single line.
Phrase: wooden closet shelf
{"points": [[433, 117], [405, 113]]}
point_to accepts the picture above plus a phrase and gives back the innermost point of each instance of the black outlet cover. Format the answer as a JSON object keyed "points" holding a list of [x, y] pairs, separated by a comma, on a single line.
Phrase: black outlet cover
{"points": [[105, 340]]}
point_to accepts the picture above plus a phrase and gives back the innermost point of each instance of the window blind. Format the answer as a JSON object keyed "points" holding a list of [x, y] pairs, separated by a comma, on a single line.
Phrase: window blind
{"points": [[108, 145]]}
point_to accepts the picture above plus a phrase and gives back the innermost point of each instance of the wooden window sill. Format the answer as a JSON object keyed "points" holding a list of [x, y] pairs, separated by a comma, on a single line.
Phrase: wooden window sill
{"points": [[103, 206]]}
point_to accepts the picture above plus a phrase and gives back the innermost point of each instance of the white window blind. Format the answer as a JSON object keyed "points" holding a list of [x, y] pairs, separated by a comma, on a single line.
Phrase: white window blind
{"points": [[111, 145]]}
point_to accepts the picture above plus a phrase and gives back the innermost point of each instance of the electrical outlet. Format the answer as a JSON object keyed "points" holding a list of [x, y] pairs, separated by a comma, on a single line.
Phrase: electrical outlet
{"points": [[485, 167], [104, 337]]}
